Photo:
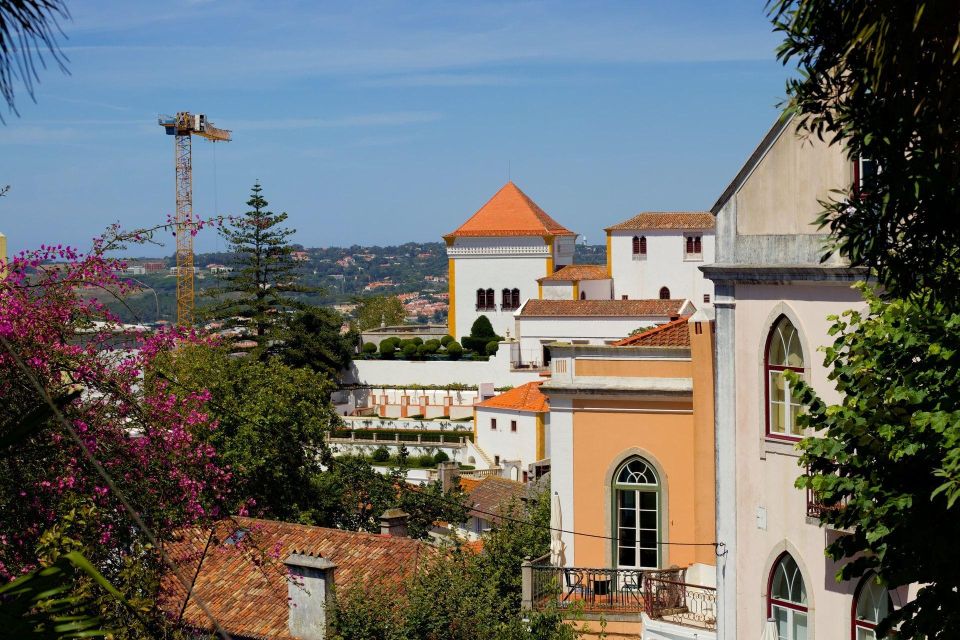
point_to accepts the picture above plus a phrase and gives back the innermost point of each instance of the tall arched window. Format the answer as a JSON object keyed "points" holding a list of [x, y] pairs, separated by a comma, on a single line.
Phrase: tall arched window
{"points": [[636, 490], [515, 294], [783, 353], [787, 599], [664, 293], [871, 604], [506, 299], [481, 299], [636, 245], [491, 301], [639, 245]]}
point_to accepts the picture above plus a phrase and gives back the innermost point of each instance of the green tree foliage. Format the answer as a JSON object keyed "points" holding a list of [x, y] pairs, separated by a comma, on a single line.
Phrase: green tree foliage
{"points": [[445, 340], [264, 277], [481, 333], [387, 348], [883, 79], [888, 456], [273, 421], [369, 348], [29, 28], [353, 496], [461, 595], [374, 311], [409, 350], [454, 350], [312, 339], [491, 347]]}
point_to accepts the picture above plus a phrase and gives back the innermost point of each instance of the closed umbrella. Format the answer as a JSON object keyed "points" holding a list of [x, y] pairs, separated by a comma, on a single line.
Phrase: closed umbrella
{"points": [[770, 630], [556, 542]]}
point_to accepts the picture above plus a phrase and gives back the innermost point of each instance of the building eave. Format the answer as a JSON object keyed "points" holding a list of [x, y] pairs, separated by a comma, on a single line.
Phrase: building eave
{"points": [[782, 273]]}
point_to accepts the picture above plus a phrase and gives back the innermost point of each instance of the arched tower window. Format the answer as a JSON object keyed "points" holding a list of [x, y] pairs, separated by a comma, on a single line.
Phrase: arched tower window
{"points": [[481, 299], [583, 295], [515, 294], [787, 599], [506, 299], [871, 604], [636, 490], [639, 245], [783, 353], [664, 293], [491, 301], [636, 245]]}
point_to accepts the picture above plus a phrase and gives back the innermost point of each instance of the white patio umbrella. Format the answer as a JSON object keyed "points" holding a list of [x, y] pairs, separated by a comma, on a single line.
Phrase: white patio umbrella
{"points": [[770, 630], [556, 524]]}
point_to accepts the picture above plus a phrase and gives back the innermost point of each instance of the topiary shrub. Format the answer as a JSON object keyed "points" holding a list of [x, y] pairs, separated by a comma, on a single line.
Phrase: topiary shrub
{"points": [[409, 350], [491, 347], [440, 456], [454, 350], [417, 341], [481, 332], [445, 340], [433, 344], [369, 348], [426, 460], [387, 349], [380, 454]]}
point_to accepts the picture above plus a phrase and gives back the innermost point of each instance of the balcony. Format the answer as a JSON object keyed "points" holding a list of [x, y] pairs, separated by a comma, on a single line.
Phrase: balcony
{"points": [[817, 506], [661, 595]]}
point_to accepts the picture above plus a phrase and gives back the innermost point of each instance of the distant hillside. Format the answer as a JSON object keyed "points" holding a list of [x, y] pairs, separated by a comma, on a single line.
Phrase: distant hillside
{"points": [[343, 273]]}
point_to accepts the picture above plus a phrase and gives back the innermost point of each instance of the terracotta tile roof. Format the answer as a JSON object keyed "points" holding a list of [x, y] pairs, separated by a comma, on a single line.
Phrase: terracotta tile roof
{"points": [[602, 308], [510, 212], [491, 495], [675, 333], [245, 584], [468, 484], [526, 397], [667, 220], [577, 272]]}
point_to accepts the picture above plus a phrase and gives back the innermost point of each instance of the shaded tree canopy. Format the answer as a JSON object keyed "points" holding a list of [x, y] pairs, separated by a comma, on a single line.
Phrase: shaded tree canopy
{"points": [[883, 79]]}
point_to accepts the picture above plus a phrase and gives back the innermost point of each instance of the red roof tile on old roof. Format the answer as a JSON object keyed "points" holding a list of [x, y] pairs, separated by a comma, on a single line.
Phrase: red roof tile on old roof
{"points": [[602, 308], [244, 583], [491, 494], [653, 220], [526, 397], [675, 333], [577, 272], [510, 212]]}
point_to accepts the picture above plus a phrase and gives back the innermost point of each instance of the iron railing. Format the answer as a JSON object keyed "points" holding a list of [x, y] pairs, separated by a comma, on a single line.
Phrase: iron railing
{"points": [[593, 588], [679, 602]]}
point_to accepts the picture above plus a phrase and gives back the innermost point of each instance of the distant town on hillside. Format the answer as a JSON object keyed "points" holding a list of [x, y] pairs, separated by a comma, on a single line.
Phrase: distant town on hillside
{"points": [[414, 271]]}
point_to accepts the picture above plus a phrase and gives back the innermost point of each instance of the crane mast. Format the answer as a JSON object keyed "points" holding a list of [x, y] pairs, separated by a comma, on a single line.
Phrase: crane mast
{"points": [[183, 127]]}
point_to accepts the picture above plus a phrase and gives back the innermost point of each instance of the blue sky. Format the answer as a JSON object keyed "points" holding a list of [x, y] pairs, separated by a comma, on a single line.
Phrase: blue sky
{"points": [[383, 122]]}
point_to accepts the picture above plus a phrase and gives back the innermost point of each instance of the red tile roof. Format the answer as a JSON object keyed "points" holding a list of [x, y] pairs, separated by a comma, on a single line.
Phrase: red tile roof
{"points": [[491, 495], [526, 397], [648, 220], [245, 585], [675, 333], [510, 212], [602, 308], [577, 272]]}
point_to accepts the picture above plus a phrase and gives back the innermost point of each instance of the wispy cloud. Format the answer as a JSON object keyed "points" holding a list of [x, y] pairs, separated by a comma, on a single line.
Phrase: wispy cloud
{"points": [[396, 118]]}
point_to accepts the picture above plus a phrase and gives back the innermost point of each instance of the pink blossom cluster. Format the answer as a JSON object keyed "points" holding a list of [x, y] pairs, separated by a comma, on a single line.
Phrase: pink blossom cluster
{"points": [[144, 435]]}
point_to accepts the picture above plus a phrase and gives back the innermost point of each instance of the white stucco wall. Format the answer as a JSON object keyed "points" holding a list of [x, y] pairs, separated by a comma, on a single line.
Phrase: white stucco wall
{"points": [[439, 372], [596, 289], [665, 265], [494, 263], [535, 332], [557, 291], [561, 470], [520, 445]]}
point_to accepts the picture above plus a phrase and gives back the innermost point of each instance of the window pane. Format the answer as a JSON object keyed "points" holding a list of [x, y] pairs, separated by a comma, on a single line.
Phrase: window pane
{"points": [[648, 558], [627, 536], [866, 634], [795, 428], [780, 616], [648, 539], [628, 499], [628, 518], [648, 500], [627, 557], [799, 626], [648, 519]]}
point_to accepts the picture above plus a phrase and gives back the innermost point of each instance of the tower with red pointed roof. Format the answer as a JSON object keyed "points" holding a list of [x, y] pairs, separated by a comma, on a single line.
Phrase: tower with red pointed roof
{"points": [[496, 257]]}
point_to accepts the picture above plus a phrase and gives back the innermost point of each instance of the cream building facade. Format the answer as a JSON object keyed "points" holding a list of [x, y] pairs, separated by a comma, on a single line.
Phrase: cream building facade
{"points": [[773, 296]]}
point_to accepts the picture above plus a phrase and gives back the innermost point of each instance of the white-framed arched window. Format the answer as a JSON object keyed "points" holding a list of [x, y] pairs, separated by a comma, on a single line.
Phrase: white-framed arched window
{"points": [[871, 604], [783, 353], [636, 520], [787, 599]]}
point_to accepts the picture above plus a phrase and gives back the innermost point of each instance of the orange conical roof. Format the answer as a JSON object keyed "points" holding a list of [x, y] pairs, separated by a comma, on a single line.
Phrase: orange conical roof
{"points": [[510, 212]]}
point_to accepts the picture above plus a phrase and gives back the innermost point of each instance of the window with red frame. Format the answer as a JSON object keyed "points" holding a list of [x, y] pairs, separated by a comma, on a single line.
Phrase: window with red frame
{"points": [[787, 599], [694, 246], [639, 245], [513, 425], [871, 604], [783, 353]]}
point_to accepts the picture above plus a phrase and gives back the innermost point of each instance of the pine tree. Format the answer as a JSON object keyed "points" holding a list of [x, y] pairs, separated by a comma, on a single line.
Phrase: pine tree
{"points": [[264, 275]]}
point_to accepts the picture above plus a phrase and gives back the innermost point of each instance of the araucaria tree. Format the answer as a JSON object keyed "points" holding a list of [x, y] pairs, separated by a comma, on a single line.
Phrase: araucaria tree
{"points": [[264, 277]]}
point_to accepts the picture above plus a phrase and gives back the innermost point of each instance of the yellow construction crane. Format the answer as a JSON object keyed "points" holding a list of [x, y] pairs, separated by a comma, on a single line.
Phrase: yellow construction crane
{"points": [[183, 127]]}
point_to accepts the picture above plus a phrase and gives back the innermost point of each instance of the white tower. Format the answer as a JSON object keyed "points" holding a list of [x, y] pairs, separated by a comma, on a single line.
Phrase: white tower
{"points": [[496, 256]]}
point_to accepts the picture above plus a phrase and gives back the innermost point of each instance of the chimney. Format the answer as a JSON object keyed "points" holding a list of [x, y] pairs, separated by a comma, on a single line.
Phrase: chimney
{"points": [[309, 592], [393, 522], [448, 472]]}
